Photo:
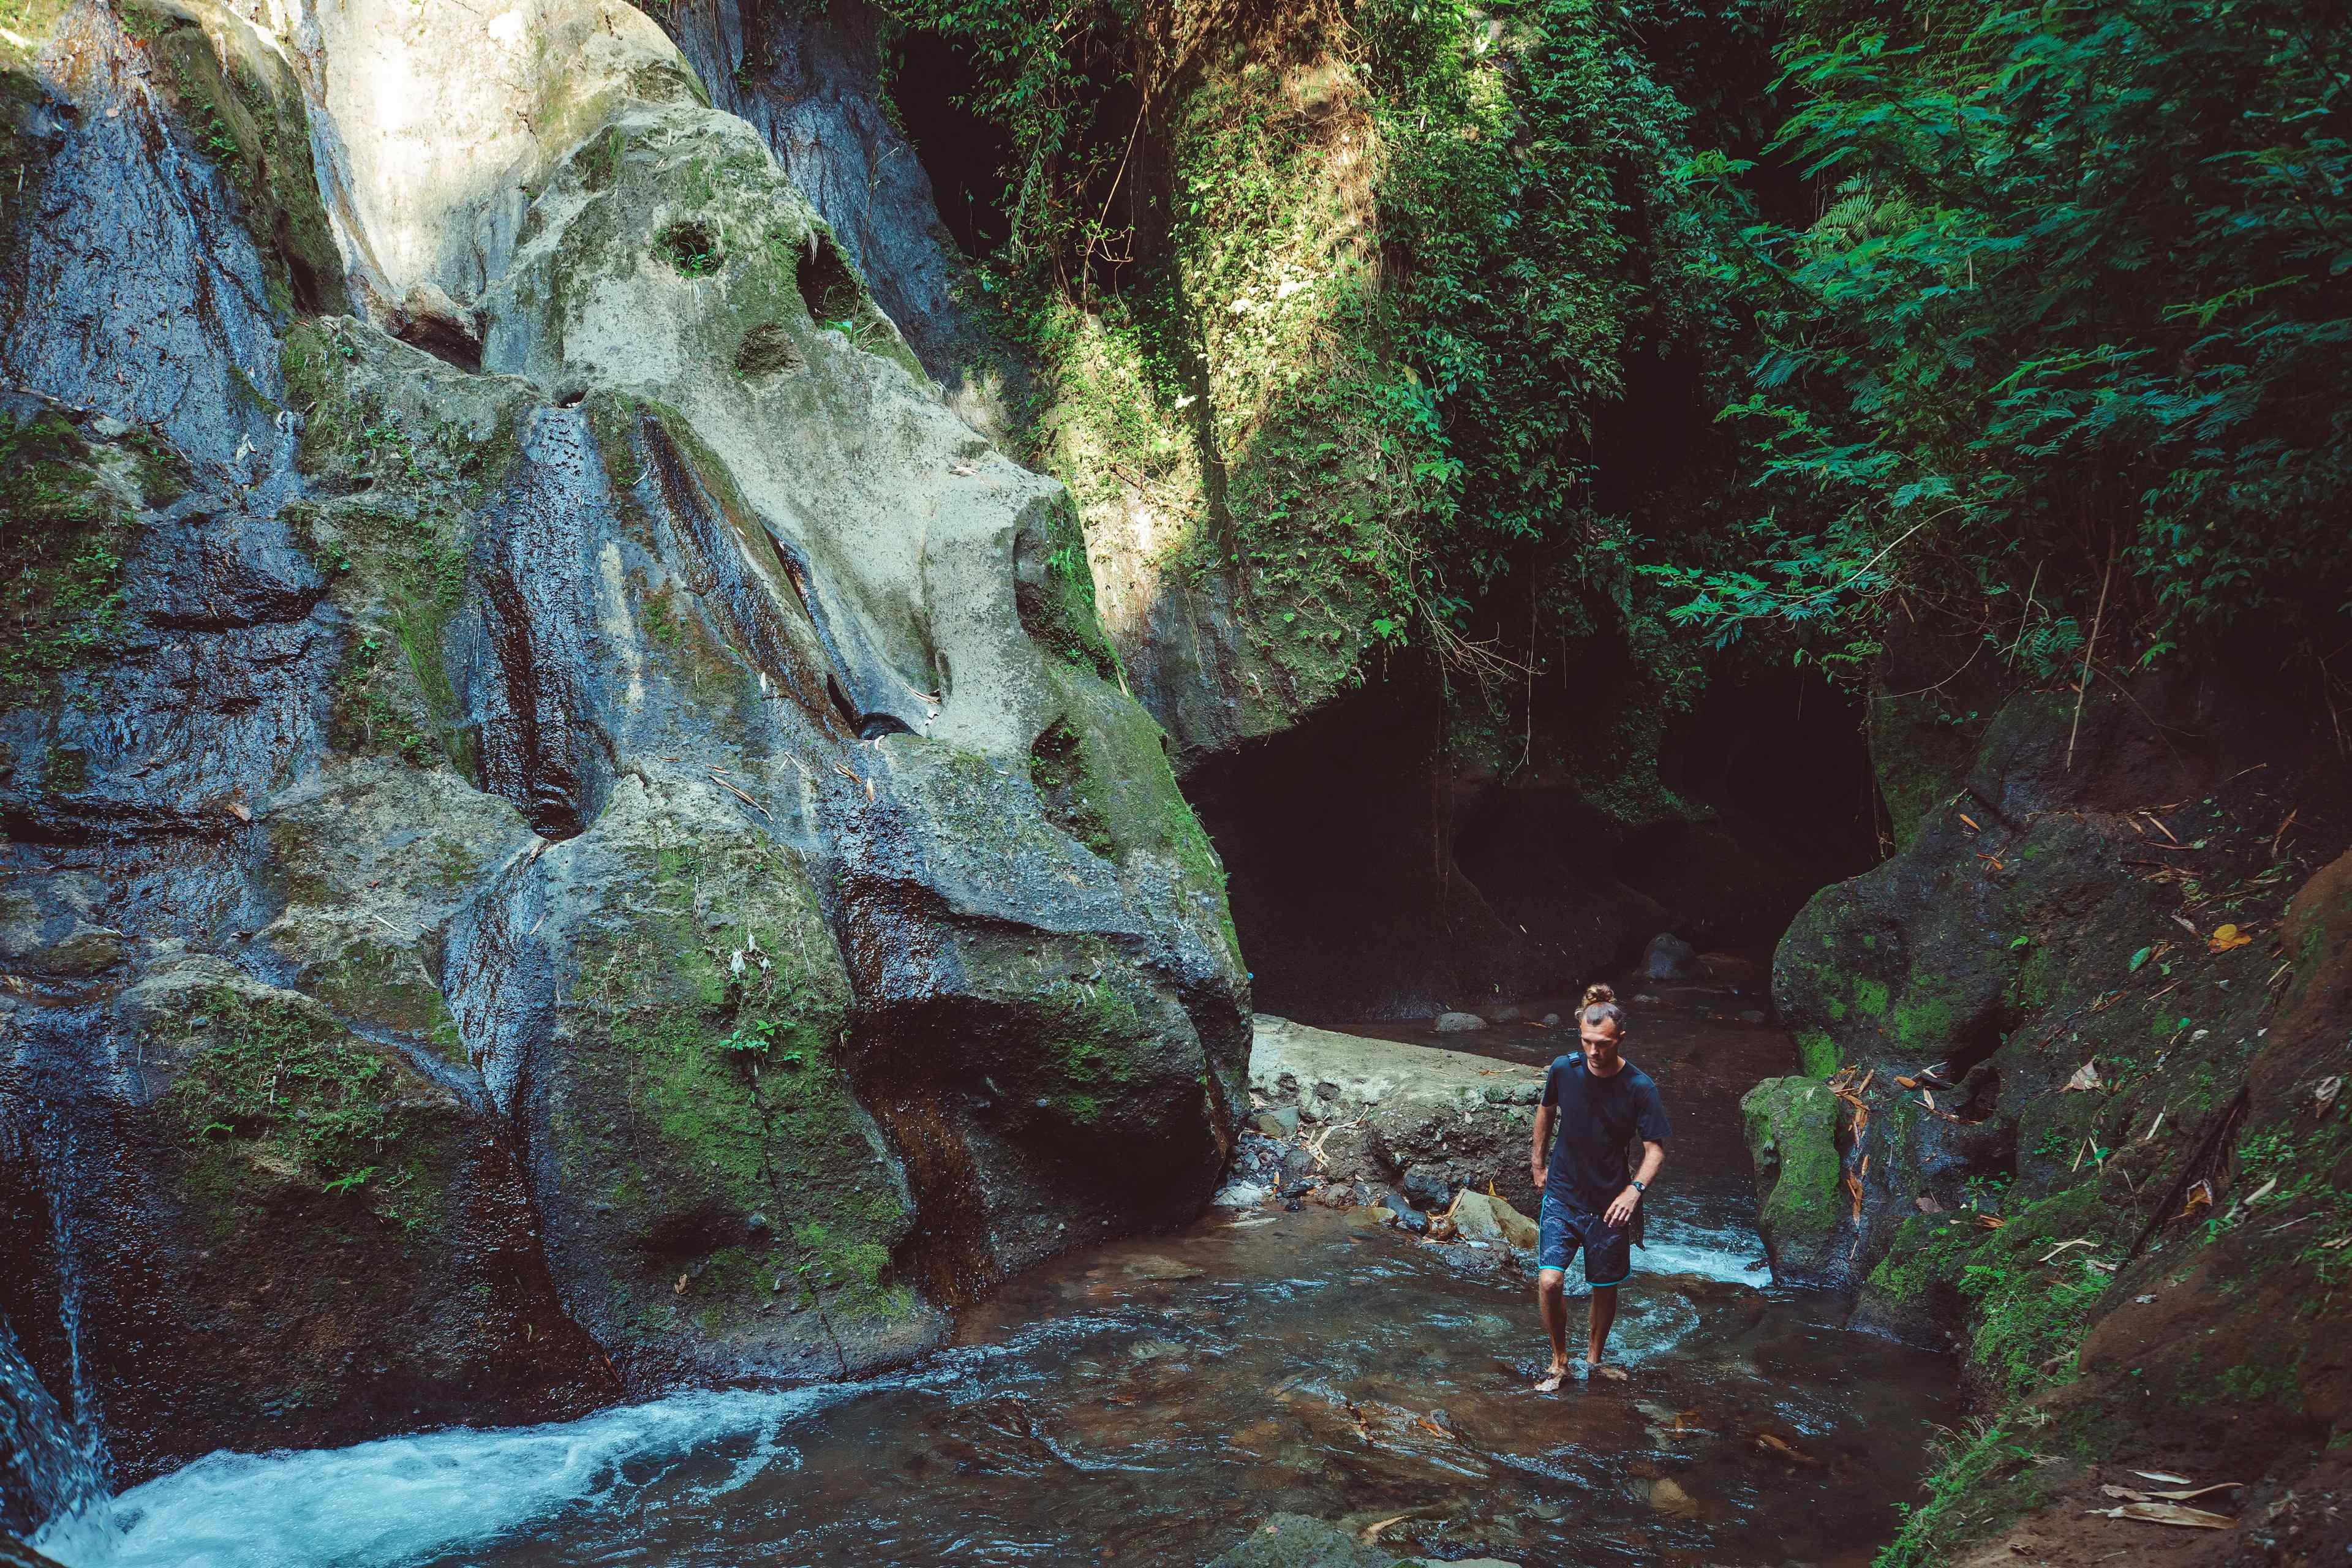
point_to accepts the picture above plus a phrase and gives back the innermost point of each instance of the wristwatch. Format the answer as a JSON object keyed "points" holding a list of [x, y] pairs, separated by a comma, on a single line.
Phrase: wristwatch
{"points": [[1641, 1186]]}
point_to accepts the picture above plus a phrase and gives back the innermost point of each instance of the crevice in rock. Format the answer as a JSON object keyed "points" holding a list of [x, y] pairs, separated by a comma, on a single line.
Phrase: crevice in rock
{"points": [[715, 542], [964, 153], [828, 285]]}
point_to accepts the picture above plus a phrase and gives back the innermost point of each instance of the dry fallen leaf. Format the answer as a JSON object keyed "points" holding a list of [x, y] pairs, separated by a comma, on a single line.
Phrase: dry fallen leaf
{"points": [[2200, 1196], [1991, 1221], [241, 811], [1907, 1083], [2175, 1495], [2324, 1096], [2164, 1477], [1773, 1444], [2227, 937], [2166, 1513], [1928, 1204], [1854, 1188], [2086, 1077]]}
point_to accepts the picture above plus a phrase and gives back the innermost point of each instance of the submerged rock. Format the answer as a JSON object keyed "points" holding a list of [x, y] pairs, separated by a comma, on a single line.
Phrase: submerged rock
{"points": [[1294, 1541], [1458, 1022]]}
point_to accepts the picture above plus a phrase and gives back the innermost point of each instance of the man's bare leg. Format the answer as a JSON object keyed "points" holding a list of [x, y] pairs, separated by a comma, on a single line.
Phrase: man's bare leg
{"points": [[1551, 1301], [1603, 1314]]}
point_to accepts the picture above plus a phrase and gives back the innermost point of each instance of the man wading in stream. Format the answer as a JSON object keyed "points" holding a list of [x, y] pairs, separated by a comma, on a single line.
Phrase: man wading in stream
{"points": [[1600, 1103]]}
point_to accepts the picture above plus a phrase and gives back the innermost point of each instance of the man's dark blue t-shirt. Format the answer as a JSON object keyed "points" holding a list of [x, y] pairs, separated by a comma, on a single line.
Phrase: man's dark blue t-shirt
{"points": [[1597, 1118]]}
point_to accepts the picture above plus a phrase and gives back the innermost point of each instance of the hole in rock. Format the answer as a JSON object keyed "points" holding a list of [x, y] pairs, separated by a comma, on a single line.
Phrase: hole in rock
{"points": [[874, 726], [443, 339], [1782, 752], [766, 349], [691, 248], [840, 700], [829, 286]]}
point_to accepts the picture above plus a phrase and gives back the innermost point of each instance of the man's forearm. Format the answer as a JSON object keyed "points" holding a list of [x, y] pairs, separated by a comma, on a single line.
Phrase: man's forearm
{"points": [[1653, 1155], [1542, 1140]]}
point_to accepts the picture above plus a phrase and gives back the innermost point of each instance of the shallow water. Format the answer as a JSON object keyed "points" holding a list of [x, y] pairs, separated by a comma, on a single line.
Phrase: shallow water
{"points": [[1149, 1401]]}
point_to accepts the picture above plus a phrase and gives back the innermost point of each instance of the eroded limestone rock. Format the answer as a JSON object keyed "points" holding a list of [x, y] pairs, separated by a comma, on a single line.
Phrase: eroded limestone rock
{"points": [[585, 789]]}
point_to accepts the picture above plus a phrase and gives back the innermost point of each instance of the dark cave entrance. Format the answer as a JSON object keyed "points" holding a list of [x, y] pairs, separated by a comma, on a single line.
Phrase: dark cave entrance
{"points": [[964, 154], [1370, 879]]}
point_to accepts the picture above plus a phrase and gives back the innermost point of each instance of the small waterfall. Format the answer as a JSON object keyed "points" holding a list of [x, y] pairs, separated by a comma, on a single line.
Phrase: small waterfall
{"points": [[51, 1466], [53, 1458]]}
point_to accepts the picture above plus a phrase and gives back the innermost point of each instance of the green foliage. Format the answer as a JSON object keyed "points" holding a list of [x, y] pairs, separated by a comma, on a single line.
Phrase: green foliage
{"points": [[1973, 1464], [690, 247], [60, 555], [2076, 298], [312, 1098], [1363, 365]]}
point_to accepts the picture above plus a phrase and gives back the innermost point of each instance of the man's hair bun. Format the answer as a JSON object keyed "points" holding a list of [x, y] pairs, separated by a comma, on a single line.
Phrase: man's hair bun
{"points": [[1600, 1006]]}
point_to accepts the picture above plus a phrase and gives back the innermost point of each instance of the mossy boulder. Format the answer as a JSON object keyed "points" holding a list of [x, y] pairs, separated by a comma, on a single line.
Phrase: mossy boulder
{"points": [[716, 1198], [1802, 1209], [280, 1222]]}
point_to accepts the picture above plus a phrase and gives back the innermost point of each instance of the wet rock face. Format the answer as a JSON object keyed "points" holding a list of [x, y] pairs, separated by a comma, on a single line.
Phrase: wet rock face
{"points": [[570, 845], [2042, 918]]}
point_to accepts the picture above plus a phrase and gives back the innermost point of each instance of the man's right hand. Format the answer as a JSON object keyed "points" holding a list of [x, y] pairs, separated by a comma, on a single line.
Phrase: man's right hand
{"points": [[1540, 1175]]}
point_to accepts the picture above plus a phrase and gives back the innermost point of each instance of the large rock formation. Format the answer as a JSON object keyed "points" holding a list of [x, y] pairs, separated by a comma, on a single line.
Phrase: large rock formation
{"points": [[2130, 943], [566, 825]]}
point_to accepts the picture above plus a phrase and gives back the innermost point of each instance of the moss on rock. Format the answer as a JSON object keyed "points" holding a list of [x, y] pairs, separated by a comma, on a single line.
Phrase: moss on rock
{"points": [[70, 505], [710, 1159], [1791, 1129]]}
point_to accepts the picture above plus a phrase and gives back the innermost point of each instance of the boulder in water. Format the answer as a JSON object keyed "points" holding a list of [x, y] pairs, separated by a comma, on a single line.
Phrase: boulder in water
{"points": [[1669, 957], [1479, 1216], [1458, 1022]]}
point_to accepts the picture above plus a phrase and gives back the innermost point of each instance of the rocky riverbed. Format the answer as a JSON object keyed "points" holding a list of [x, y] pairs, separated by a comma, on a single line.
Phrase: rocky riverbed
{"points": [[1163, 1400]]}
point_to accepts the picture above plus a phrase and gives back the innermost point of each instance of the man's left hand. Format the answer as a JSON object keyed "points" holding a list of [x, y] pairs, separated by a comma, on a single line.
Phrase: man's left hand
{"points": [[1621, 1210]]}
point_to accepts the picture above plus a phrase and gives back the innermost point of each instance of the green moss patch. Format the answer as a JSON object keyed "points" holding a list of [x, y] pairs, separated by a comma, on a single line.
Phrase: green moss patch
{"points": [[1791, 1129], [242, 112], [302, 1097], [711, 1036], [1057, 767], [61, 554]]}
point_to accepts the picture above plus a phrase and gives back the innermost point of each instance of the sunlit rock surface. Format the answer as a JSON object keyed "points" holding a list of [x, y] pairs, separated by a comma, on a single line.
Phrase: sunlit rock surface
{"points": [[570, 824]]}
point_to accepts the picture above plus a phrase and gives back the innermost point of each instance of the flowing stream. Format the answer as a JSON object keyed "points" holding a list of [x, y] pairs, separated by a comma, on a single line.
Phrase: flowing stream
{"points": [[1149, 1401]]}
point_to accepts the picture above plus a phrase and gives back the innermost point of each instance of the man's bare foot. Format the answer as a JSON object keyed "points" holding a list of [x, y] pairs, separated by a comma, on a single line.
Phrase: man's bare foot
{"points": [[1553, 1379], [1607, 1370]]}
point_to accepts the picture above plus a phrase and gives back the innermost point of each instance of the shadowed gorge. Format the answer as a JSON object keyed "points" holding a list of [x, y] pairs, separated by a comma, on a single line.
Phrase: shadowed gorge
{"points": [[838, 784]]}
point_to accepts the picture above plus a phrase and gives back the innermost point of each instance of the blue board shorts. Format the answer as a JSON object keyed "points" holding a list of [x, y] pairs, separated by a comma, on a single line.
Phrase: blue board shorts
{"points": [[1560, 1230]]}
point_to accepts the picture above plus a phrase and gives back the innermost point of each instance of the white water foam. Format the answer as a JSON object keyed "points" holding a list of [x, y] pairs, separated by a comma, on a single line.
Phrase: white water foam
{"points": [[1732, 1253], [403, 1498]]}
